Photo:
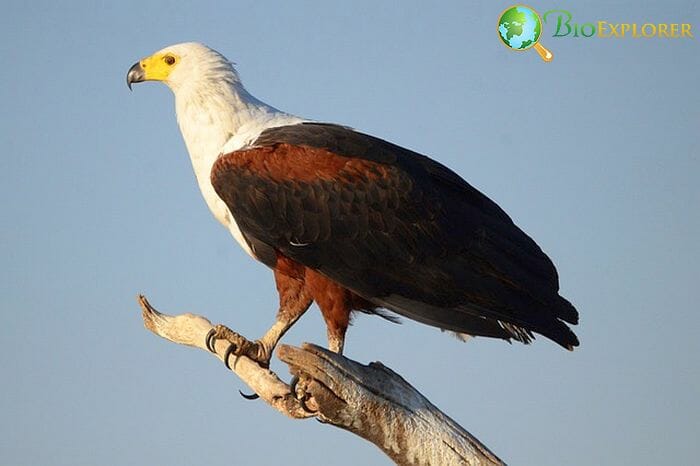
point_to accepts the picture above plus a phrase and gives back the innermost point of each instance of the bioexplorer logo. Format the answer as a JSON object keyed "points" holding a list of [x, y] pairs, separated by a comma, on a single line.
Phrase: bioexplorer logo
{"points": [[520, 28]]}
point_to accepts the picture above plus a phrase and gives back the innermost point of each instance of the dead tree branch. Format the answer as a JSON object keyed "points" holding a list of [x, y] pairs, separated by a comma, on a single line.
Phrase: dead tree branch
{"points": [[371, 401]]}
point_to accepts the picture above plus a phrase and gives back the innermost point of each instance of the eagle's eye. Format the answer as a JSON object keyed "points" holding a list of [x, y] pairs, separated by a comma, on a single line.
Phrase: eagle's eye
{"points": [[169, 59]]}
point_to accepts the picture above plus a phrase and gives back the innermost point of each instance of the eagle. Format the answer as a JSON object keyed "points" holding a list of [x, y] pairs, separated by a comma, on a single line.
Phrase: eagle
{"points": [[352, 222]]}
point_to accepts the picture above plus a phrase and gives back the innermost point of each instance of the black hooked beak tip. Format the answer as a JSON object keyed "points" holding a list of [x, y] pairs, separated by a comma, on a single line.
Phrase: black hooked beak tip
{"points": [[135, 75]]}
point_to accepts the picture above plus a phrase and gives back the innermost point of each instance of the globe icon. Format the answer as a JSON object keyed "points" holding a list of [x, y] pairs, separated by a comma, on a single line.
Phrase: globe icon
{"points": [[519, 27]]}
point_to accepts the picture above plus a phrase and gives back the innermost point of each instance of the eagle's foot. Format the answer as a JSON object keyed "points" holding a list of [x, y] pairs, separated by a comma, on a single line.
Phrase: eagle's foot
{"points": [[299, 391], [238, 346]]}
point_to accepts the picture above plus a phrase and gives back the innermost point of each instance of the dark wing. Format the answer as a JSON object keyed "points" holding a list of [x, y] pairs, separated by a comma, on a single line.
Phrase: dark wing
{"points": [[395, 227]]}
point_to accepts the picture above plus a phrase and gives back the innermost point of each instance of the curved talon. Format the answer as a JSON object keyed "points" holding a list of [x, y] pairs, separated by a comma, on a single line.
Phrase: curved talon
{"points": [[302, 400], [293, 385], [231, 348], [302, 403], [209, 340], [253, 396]]}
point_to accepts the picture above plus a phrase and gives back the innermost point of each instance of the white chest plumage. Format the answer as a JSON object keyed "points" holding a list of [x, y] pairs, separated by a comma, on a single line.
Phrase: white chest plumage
{"points": [[215, 124]]}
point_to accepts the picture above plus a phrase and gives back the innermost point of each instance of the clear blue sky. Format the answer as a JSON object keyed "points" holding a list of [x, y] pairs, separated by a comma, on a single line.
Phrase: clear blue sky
{"points": [[596, 155]]}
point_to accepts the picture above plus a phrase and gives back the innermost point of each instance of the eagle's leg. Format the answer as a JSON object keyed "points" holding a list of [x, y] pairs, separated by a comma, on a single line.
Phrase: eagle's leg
{"points": [[294, 301], [335, 303], [336, 339]]}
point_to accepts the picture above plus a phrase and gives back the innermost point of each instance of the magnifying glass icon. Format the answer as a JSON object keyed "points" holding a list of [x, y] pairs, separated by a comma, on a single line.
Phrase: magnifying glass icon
{"points": [[519, 28]]}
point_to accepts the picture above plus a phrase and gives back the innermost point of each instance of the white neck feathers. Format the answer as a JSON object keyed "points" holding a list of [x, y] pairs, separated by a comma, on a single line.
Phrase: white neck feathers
{"points": [[217, 115]]}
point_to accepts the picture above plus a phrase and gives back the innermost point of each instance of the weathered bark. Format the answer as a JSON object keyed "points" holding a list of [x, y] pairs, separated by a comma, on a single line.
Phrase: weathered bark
{"points": [[371, 401]]}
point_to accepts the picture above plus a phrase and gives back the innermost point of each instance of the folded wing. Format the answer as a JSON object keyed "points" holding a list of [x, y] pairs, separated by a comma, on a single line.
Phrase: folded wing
{"points": [[395, 227]]}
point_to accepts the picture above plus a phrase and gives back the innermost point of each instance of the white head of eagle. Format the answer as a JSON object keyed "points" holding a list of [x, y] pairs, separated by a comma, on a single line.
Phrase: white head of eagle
{"points": [[216, 114], [351, 221]]}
